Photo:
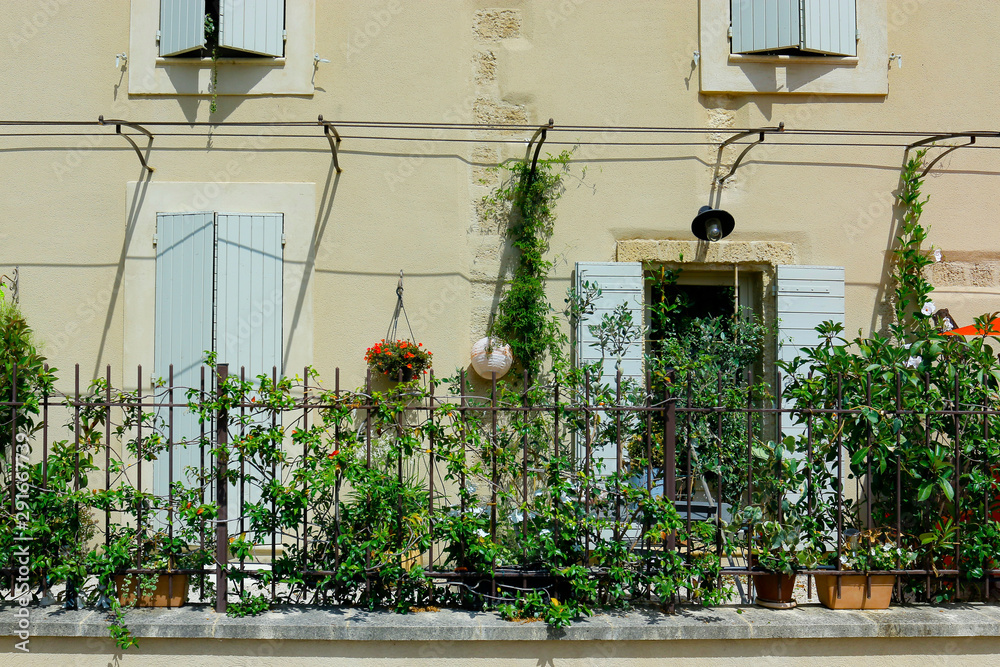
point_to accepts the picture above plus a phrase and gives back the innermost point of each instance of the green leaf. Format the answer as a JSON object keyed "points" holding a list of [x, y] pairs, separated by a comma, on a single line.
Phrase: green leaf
{"points": [[925, 492]]}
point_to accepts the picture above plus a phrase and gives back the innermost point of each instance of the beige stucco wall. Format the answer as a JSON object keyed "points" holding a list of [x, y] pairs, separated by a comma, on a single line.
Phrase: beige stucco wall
{"points": [[412, 205], [250, 653]]}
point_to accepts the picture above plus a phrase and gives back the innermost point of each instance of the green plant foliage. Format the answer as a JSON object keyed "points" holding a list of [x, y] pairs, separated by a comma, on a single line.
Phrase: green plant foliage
{"points": [[527, 202], [946, 483]]}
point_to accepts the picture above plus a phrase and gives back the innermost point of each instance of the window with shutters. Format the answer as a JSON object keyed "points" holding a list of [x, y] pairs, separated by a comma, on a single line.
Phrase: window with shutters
{"points": [[794, 27], [261, 47], [819, 47], [218, 287], [228, 28]]}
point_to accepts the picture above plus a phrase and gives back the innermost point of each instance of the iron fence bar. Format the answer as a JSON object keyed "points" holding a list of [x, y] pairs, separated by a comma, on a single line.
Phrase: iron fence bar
{"points": [[221, 491], [274, 479], [430, 473], [170, 478]]}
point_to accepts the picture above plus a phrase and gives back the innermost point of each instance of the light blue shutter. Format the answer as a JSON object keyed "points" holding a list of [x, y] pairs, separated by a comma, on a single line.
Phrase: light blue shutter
{"points": [[764, 25], [182, 26], [620, 283], [830, 27], [182, 325], [807, 296], [249, 306], [255, 26], [249, 309]]}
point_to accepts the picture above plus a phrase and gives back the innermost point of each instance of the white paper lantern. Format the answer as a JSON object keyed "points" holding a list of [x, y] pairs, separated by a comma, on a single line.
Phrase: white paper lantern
{"points": [[497, 360]]}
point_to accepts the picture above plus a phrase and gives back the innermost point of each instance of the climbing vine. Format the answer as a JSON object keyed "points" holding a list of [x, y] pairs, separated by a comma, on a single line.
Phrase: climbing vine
{"points": [[527, 200]]}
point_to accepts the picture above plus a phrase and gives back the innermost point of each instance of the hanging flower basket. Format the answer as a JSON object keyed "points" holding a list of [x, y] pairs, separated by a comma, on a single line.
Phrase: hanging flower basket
{"points": [[400, 359]]}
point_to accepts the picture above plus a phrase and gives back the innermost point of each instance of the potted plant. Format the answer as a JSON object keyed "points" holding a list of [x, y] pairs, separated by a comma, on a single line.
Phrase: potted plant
{"points": [[864, 551], [778, 528], [398, 359]]}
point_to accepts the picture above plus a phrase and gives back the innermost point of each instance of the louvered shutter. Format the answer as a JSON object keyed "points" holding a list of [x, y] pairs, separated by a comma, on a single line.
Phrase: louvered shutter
{"points": [[249, 308], [830, 27], [764, 25], [182, 325], [254, 26], [807, 297], [249, 300], [620, 282], [182, 26]]}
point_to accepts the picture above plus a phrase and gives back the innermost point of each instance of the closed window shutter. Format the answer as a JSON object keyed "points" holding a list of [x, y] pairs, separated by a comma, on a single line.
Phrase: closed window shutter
{"points": [[182, 26], [249, 307], [182, 324], [807, 297], [830, 27], [254, 26], [249, 300], [765, 25]]}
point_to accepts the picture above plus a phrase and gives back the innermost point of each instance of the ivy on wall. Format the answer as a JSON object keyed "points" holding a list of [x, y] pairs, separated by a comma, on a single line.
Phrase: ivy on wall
{"points": [[527, 200]]}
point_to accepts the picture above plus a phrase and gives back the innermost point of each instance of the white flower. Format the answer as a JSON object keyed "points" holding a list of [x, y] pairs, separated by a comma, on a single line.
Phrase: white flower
{"points": [[516, 517], [482, 533], [937, 254], [544, 531], [913, 362], [946, 325], [928, 309]]}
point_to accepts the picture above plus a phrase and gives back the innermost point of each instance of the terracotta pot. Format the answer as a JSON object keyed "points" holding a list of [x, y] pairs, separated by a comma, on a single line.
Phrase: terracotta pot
{"points": [[853, 591], [126, 585], [774, 588]]}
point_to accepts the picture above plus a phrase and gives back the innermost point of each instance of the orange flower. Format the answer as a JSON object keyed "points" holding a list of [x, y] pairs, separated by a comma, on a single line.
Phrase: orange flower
{"points": [[409, 365], [333, 454], [200, 510]]}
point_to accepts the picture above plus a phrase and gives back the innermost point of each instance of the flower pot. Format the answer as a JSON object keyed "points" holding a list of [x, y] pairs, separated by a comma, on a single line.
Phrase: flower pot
{"points": [[853, 591], [407, 375], [775, 590], [166, 584]]}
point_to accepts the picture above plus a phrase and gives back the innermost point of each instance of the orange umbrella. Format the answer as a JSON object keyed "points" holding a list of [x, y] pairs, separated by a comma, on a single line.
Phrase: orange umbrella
{"points": [[973, 330]]}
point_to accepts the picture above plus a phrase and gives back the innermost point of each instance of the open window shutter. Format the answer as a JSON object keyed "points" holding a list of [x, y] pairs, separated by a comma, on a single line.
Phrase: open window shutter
{"points": [[807, 297], [764, 25], [620, 282], [830, 27], [254, 26], [182, 26], [182, 323]]}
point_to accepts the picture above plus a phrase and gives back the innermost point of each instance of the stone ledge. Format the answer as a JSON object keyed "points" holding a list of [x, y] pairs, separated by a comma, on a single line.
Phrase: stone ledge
{"points": [[723, 252], [689, 623]]}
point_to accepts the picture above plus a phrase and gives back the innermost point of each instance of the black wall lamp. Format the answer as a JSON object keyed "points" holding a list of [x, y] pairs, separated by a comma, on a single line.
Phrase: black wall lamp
{"points": [[712, 224]]}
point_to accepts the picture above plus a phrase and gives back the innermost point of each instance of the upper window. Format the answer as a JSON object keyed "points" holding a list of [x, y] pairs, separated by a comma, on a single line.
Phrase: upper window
{"points": [[232, 28], [794, 27], [223, 47], [811, 47]]}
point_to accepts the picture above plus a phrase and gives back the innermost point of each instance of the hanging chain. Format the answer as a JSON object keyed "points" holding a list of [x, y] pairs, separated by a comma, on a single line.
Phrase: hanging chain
{"points": [[390, 334]]}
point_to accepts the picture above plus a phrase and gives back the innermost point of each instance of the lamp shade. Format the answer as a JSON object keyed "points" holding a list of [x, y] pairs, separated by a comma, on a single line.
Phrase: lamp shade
{"points": [[712, 224], [489, 358]]}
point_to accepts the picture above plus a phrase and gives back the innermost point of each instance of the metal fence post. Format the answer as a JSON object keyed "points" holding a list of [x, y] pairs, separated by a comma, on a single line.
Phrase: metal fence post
{"points": [[221, 494]]}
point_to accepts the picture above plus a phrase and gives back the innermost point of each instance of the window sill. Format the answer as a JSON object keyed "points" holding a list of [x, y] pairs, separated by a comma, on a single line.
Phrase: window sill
{"points": [[779, 60], [207, 62]]}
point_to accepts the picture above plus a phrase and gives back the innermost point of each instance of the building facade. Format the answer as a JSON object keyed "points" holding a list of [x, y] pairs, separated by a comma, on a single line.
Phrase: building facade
{"points": [[246, 239]]}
